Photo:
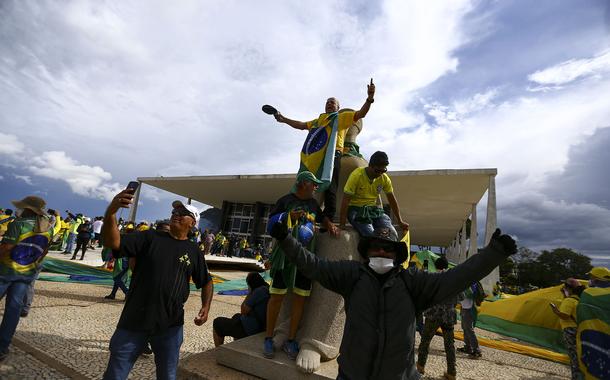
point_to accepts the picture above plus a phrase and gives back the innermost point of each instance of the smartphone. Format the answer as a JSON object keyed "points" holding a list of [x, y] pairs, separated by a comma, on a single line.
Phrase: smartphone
{"points": [[133, 186]]}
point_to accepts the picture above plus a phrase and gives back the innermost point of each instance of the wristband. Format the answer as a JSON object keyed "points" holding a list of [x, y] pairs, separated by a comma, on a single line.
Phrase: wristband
{"points": [[370, 100]]}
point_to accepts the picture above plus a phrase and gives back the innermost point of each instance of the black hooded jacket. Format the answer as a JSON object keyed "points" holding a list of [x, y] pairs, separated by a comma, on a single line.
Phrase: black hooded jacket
{"points": [[379, 333]]}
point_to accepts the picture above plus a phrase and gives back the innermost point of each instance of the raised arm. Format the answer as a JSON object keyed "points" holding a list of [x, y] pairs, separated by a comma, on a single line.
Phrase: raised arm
{"points": [[361, 113], [431, 288], [110, 230], [293, 123]]}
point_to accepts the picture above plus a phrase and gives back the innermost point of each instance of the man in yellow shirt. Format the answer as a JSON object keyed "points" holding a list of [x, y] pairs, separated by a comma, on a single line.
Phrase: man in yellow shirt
{"points": [[362, 198], [321, 152], [566, 312]]}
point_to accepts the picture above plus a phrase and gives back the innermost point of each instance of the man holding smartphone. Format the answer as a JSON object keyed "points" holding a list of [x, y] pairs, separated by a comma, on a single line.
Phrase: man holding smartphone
{"points": [[154, 307]]}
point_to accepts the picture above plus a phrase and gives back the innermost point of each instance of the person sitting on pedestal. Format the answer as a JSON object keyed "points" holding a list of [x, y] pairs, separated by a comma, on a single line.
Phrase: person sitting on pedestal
{"points": [[361, 199], [252, 318], [301, 211]]}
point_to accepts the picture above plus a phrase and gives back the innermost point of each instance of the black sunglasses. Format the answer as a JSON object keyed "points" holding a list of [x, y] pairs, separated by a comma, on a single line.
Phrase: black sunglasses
{"points": [[380, 244]]}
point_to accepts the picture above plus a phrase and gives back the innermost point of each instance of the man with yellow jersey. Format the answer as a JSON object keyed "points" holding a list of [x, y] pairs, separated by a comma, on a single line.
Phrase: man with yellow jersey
{"points": [[361, 200], [321, 152]]}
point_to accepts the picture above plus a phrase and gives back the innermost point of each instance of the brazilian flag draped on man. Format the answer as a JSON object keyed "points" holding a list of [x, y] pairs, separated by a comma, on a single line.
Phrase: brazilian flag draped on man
{"points": [[326, 136]]}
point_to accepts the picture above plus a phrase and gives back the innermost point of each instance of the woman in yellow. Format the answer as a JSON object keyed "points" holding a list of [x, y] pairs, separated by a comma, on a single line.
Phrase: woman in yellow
{"points": [[567, 318]]}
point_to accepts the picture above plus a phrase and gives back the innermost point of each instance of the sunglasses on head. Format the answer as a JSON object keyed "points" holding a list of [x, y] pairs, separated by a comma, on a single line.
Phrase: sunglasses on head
{"points": [[380, 244]]}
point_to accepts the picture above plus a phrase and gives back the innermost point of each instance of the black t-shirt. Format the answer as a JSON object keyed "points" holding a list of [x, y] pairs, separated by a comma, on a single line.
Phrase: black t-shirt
{"points": [[160, 281], [291, 202]]}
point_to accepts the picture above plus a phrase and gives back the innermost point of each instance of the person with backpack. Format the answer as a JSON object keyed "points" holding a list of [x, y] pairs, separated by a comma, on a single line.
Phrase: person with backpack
{"points": [[85, 231], [470, 299]]}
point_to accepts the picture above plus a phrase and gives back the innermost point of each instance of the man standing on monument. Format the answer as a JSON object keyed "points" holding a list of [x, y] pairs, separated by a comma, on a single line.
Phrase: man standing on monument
{"points": [[321, 152], [300, 210], [154, 307]]}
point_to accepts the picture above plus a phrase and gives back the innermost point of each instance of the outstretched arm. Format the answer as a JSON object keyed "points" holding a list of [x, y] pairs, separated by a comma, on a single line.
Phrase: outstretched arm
{"points": [[110, 230], [361, 113], [293, 123], [431, 288]]}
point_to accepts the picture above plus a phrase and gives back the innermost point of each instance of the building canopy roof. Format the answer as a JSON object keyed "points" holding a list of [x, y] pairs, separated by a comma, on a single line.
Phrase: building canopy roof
{"points": [[434, 202]]}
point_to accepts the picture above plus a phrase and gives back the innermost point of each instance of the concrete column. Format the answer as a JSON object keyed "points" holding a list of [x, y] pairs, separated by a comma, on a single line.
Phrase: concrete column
{"points": [[473, 231], [491, 221], [134, 207], [490, 226], [463, 246]]}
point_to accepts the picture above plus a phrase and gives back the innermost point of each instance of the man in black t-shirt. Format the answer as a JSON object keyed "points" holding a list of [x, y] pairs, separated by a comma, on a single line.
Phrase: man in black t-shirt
{"points": [[154, 307], [302, 211]]}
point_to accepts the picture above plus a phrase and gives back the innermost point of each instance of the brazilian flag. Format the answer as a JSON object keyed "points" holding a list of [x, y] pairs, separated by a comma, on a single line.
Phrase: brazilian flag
{"points": [[593, 335]]}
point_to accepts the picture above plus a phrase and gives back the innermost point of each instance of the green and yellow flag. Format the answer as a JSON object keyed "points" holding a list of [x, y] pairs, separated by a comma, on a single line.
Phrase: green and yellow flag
{"points": [[593, 335]]}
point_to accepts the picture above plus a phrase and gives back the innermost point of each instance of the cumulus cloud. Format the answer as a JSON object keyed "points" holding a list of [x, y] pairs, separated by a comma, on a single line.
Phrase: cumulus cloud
{"points": [[570, 71], [89, 181], [10, 144]]}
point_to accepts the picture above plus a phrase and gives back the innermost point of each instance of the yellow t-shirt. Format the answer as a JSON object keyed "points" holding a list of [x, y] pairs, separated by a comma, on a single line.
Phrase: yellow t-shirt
{"points": [[346, 119], [364, 191], [568, 306]]}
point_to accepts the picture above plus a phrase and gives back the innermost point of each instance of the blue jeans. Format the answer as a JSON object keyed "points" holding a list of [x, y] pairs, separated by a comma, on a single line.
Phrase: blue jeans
{"points": [[15, 291], [367, 229], [127, 345], [71, 240]]}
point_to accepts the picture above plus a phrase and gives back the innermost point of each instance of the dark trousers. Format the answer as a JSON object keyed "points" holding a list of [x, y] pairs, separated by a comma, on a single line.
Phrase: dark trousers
{"points": [[330, 194], [430, 328], [81, 244], [470, 338]]}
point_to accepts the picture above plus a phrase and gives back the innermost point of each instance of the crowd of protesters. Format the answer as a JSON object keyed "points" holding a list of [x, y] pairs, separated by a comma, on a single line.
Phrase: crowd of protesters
{"points": [[383, 301]]}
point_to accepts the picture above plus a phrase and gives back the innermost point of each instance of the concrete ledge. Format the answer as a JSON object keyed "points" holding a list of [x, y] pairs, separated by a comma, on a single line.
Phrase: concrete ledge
{"points": [[243, 359]]}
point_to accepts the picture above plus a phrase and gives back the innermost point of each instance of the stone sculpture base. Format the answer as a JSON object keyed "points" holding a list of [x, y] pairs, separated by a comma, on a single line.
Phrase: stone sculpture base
{"points": [[243, 359]]}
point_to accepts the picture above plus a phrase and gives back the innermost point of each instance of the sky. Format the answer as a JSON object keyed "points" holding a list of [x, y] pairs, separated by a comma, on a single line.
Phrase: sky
{"points": [[95, 94]]}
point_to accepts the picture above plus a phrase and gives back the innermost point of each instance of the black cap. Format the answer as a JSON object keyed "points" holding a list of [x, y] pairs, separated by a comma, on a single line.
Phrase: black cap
{"points": [[384, 234], [379, 158]]}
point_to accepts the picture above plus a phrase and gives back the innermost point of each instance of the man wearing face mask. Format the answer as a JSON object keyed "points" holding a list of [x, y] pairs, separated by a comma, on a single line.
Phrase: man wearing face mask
{"points": [[159, 288], [381, 298]]}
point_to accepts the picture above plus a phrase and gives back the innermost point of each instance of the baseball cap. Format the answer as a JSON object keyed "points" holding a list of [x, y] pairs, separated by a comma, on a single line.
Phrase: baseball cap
{"points": [[305, 176], [190, 208], [600, 273]]}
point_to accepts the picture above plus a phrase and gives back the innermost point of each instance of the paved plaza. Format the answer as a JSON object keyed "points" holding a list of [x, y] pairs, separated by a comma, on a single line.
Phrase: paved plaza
{"points": [[67, 333]]}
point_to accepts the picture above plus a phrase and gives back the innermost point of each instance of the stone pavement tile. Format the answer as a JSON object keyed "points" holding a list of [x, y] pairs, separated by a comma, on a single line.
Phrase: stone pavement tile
{"points": [[20, 365]]}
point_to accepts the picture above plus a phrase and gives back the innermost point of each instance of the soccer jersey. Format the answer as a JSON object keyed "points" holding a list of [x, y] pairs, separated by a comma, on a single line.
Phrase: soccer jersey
{"points": [[345, 120], [364, 191], [568, 306]]}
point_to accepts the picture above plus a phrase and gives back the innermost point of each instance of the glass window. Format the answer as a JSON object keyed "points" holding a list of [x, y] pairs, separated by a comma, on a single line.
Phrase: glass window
{"points": [[247, 211], [245, 224], [237, 210], [235, 224]]}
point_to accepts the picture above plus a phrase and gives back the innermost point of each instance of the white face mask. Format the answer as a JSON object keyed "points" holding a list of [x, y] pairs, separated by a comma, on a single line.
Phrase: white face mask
{"points": [[381, 265]]}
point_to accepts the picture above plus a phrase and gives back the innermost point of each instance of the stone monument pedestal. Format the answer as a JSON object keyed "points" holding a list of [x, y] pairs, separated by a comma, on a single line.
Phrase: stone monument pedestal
{"points": [[243, 359]]}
